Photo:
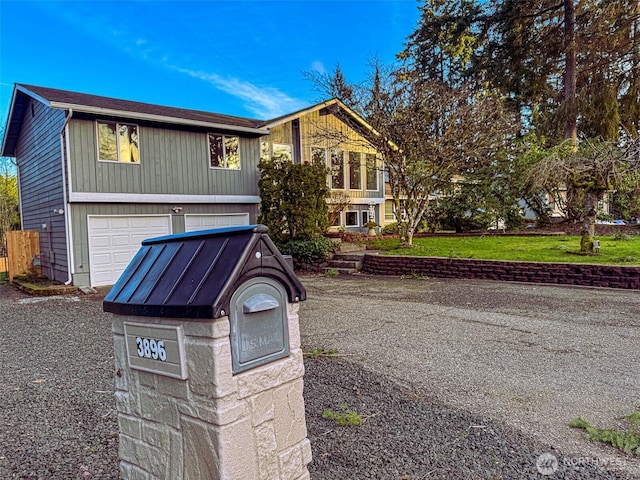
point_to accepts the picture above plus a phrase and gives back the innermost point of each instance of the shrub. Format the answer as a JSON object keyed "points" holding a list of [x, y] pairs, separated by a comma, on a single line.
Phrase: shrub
{"points": [[293, 199], [308, 254], [390, 229], [354, 237]]}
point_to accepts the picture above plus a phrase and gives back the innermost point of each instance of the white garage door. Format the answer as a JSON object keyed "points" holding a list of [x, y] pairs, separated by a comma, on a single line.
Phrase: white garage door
{"points": [[205, 222], [114, 240]]}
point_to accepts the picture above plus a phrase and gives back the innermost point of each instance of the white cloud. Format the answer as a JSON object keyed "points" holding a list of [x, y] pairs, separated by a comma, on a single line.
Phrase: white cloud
{"points": [[264, 102], [318, 66]]}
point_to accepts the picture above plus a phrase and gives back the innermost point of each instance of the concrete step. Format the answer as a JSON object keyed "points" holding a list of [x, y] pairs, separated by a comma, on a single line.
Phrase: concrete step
{"points": [[340, 271], [345, 263], [353, 257]]}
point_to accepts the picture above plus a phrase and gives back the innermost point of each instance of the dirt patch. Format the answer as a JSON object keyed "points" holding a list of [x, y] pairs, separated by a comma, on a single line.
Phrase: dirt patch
{"points": [[43, 287]]}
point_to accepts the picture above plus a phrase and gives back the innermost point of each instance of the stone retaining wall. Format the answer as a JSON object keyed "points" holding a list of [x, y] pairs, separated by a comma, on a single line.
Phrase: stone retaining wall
{"points": [[560, 273]]}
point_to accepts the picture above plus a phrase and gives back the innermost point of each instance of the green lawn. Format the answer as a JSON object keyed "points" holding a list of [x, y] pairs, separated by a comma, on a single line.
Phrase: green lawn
{"points": [[522, 248]]}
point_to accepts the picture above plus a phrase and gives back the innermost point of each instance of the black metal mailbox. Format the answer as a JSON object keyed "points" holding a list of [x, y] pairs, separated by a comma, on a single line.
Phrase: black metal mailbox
{"points": [[235, 271]]}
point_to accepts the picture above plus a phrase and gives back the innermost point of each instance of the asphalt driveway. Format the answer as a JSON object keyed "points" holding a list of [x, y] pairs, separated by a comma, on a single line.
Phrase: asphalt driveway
{"points": [[532, 356]]}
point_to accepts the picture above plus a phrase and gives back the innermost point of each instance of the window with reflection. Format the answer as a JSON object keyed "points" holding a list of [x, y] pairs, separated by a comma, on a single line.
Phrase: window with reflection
{"points": [[351, 219], [355, 171], [224, 151], [318, 155], [265, 153], [371, 172], [337, 169], [118, 142], [282, 152]]}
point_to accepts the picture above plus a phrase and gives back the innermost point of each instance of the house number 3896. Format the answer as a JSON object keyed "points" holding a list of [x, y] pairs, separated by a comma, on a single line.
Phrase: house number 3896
{"points": [[150, 348]]}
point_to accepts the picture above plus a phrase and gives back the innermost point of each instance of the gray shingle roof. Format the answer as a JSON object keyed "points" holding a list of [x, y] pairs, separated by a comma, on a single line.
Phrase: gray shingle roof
{"points": [[83, 99], [114, 107]]}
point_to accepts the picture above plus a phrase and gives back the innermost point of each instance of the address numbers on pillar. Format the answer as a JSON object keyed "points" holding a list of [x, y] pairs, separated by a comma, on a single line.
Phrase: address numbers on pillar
{"points": [[156, 348], [151, 348]]}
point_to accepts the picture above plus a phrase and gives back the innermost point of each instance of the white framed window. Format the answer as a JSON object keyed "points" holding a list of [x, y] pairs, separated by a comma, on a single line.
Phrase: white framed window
{"points": [[117, 142], [355, 171], [351, 218], [276, 151], [389, 209], [224, 151], [282, 151], [371, 172], [337, 169], [319, 155], [265, 151]]}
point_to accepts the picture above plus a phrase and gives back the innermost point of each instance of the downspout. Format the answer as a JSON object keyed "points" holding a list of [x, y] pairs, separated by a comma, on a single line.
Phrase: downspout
{"points": [[19, 193], [67, 232]]}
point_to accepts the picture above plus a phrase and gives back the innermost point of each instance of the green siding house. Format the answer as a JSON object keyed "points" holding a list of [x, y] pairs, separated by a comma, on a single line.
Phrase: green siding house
{"points": [[98, 175]]}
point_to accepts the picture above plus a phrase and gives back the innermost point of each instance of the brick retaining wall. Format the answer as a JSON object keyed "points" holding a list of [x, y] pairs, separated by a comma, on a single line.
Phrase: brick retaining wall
{"points": [[562, 273]]}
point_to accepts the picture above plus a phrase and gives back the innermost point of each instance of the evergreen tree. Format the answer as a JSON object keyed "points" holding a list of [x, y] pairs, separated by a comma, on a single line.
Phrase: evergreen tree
{"points": [[570, 66], [293, 199]]}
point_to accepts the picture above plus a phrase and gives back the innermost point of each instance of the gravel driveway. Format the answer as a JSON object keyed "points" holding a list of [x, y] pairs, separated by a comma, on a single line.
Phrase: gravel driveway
{"points": [[455, 379], [530, 357]]}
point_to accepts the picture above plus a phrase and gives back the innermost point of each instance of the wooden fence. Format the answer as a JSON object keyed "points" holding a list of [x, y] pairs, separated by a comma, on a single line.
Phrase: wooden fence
{"points": [[22, 247]]}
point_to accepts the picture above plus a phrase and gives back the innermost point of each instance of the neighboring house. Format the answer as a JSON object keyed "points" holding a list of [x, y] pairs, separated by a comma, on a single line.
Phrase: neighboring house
{"points": [[331, 133], [97, 175]]}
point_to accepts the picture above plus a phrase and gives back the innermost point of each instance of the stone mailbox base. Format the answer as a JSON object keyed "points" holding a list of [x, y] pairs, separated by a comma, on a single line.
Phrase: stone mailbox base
{"points": [[203, 422]]}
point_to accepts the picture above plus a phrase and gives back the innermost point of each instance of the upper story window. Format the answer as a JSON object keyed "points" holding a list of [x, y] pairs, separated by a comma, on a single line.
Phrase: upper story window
{"points": [[371, 171], [355, 171], [348, 168], [282, 152], [265, 151], [276, 151], [337, 169], [224, 151], [318, 155], [118, 142]]}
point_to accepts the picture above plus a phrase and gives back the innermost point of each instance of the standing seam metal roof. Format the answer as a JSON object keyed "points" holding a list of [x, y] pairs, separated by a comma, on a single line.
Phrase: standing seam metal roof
{"points": [[194, 275]]}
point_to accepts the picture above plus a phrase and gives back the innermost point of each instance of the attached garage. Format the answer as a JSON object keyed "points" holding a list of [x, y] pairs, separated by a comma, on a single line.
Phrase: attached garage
{"points": [[114, 240], [206, 222]]}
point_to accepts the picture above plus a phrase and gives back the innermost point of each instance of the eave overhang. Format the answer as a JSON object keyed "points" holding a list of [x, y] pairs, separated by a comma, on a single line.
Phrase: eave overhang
{"points": [[22, 95], [108, 112]]}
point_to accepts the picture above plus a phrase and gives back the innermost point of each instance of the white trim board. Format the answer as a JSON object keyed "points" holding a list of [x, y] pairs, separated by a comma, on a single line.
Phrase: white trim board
{"points": [[156, 118], [87, 197]]}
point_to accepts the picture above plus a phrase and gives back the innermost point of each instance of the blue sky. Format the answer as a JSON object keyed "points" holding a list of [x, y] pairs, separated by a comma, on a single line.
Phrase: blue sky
{"points": [[243, 58]]}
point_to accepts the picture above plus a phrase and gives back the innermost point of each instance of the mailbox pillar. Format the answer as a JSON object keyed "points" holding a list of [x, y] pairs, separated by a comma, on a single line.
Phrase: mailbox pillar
{"points": [[218, 397]]}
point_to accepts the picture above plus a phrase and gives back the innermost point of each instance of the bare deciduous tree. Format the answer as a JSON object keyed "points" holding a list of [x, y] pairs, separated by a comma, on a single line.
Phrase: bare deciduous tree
{"points": [[427, 132], [9, 214], [593, 169], [431, 133], [338, 202]]}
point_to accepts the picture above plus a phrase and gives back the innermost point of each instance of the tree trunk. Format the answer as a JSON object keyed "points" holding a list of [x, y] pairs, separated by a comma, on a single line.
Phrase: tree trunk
{"points": [[571, 121], [409, 236], [588, 230]]}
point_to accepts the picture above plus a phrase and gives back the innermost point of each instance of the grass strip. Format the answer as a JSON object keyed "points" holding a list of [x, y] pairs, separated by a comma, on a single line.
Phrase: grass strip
{"points": [[556, 249]]}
